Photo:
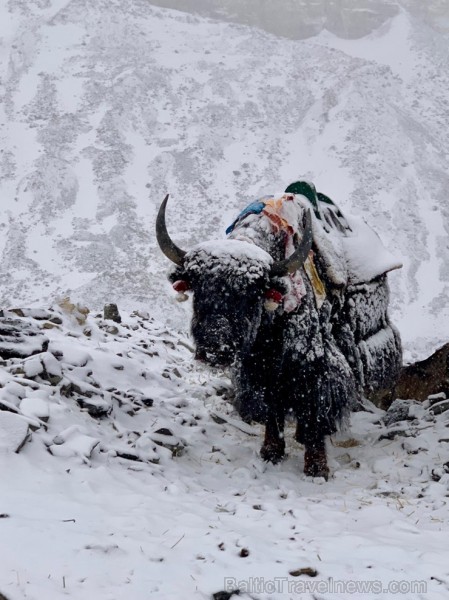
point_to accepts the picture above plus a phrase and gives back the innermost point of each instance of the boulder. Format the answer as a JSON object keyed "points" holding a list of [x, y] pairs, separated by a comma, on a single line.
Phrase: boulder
{"points": [[425, 377], [19, 339], [399, 411], [111, 313], [14, 432]]}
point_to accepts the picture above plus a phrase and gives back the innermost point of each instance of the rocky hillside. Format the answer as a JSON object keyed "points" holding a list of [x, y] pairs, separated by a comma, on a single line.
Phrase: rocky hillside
{"points": [[107, 106]]}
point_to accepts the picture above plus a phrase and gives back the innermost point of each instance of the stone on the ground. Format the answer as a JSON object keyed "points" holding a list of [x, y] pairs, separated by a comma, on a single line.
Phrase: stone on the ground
{"points": [[434, 398], [73, 442], [19, 339], [96, 407], [399, 411], [14, 432], [165, 438], [35, 408], [439, 407], [111, 313]]}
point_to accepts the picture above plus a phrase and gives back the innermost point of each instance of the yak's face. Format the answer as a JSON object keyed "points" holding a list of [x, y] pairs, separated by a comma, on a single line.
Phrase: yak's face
{"points": [[230, 281], [228, 284]]}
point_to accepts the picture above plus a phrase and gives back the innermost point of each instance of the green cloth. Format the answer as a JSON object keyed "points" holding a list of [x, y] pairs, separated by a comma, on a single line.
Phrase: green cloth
{"points": [[324, 208], [308, 190], [305, 189]]}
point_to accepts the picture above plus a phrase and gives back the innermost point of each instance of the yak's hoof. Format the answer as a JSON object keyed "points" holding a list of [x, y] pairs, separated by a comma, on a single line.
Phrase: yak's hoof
{"points": [[272, 453], [315, 463], [317, 471]]}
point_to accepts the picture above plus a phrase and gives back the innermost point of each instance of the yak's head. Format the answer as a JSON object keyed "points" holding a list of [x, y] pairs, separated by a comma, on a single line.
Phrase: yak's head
{"points": [[232, 283]]}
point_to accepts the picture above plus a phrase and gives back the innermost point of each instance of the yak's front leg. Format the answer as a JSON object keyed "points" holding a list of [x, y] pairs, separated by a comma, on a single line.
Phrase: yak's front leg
{"points": [[273, 448], [315, 459]]}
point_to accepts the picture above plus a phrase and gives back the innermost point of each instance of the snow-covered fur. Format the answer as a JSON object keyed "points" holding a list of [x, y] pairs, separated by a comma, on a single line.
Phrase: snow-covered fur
{"points": [[314, 359]]}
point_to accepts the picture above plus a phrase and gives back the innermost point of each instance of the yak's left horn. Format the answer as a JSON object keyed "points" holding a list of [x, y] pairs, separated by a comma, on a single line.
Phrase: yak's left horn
{"points": [[296, 260], [168, 247]]}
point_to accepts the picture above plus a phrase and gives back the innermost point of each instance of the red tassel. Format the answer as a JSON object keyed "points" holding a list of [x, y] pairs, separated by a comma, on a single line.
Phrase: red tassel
{"points": [[181, 285], [275, 295], [273, 298]]}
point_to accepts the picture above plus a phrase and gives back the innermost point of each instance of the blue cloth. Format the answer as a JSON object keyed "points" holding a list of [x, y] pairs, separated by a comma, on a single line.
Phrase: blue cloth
{"points": [[255, 208]]}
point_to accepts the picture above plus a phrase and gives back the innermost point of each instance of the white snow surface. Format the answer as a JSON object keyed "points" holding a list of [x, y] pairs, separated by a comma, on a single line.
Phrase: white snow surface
{"points": [[105, 107], [365, 254], [234, 249], [93, 507]]}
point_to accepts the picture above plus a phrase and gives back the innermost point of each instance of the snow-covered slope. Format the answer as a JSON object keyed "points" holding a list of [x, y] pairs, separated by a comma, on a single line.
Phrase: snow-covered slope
{"points": [[137, 480], [109, 105]]}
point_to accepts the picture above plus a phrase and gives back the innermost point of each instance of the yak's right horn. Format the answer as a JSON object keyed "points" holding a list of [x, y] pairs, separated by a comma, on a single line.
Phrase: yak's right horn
{"points": [[168, 247], [296, 260]]}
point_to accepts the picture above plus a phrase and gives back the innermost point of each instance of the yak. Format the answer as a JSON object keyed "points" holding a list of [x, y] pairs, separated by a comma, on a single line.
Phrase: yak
{"points": [[295, 302]]}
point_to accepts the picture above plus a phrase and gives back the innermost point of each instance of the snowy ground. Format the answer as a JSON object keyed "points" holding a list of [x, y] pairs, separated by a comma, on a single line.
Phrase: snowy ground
{"points": [[94, 507], [105, 107]]}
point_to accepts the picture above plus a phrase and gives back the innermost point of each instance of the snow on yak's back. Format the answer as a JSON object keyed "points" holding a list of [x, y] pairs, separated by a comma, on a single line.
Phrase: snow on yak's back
{"points": [[295, 301]]}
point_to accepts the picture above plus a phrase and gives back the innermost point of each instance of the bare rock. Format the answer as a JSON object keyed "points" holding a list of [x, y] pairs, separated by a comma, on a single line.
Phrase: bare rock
{"points": [[144, 455], [111, 313], [39, 314], [165, 438], [96, 407], [223, 595], [426, 377], [394, 433], [43, 366], [309, 571], [440, 407], [19, 339], [111, 329], [399, 411], [439, 472]]}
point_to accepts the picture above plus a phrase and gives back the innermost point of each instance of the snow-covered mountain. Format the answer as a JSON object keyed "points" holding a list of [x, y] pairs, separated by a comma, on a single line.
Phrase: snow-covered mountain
{"points": [[348, 19], [106, 106]]}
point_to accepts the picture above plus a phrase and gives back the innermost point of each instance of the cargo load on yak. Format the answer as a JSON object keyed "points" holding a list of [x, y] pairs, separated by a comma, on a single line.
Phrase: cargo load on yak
{"points": [[347, 265]]}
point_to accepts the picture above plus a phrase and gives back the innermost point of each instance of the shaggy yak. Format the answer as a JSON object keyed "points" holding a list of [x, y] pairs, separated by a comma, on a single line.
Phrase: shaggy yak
{"points": [[295, 302]]}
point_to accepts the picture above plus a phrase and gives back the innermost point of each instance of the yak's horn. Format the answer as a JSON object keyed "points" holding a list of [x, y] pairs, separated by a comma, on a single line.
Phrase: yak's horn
{"points": [[168, 247], [296, 260]]}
